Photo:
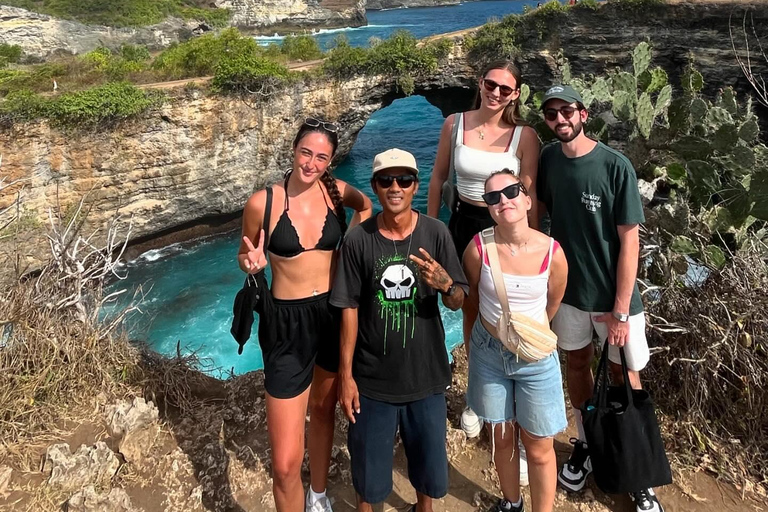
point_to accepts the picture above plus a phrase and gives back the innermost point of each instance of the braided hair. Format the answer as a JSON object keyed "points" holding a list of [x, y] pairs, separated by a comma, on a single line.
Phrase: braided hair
{"points": [[327, 178]]}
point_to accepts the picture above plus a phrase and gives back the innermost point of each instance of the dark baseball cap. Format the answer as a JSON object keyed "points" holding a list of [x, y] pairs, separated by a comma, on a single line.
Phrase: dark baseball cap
{"points": [[561, 92]]}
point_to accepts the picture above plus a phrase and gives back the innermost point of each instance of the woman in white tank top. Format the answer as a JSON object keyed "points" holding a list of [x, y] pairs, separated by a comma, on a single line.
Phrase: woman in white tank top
{"points": [[489, 138], [511, 396]]}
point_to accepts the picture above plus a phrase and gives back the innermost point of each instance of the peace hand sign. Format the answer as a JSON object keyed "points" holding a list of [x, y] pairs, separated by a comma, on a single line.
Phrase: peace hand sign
{"points": [[432, 272], [255, 259]]}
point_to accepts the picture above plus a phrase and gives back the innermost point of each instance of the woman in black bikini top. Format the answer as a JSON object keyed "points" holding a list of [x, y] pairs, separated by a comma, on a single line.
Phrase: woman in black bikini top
{"points": [[298, 329]]}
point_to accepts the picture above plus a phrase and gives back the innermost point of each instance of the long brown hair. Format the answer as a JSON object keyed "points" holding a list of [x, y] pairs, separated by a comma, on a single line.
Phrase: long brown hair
{"points": [[511, 114], [327, 178]]}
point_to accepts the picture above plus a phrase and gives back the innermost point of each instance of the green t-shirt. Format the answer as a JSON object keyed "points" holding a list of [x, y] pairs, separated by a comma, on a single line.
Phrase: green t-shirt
{"points": [[587, 197]]}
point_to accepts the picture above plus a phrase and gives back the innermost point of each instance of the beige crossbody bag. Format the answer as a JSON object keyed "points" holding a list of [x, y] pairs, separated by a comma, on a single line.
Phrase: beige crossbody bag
{"points": [[527, 338]]}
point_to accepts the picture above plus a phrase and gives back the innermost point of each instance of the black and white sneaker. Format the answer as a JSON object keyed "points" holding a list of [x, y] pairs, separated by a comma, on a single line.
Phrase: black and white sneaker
{"points": [[573, 475], [507, 506], [646, 501]]}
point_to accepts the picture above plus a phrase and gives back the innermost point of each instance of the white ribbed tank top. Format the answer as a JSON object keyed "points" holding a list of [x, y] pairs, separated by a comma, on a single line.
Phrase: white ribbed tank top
{"points": [[473, 166]]}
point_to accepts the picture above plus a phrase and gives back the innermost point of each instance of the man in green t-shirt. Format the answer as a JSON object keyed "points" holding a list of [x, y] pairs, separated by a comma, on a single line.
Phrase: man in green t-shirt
{"points": [[591, 194]]}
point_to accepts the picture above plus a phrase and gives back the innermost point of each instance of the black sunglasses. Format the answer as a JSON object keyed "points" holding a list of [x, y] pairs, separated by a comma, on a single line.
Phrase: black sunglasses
{"points": [[314, 123], [510, 191], [386, 181], [490, 86], [551, 113]]}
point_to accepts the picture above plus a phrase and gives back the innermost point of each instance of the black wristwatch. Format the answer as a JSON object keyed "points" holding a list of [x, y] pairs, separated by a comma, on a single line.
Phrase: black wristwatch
{"points": [[450, 290]]}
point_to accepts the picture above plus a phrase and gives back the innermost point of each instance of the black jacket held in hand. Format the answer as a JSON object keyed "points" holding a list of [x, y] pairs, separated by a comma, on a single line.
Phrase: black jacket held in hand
{"points": [[254, 291]]}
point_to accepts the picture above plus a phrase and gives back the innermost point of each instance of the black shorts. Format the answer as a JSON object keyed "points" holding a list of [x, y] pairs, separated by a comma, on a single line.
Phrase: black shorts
{"points": [[467, 221], [294, 336], [371, 443]]}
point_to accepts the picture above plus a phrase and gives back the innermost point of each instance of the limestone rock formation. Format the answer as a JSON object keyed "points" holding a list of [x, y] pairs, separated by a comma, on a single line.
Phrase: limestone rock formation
{"points": [[127, 417], [95, 464], [134, 425], [376, 5], [41, 36], [281, 15], [88, 500]]}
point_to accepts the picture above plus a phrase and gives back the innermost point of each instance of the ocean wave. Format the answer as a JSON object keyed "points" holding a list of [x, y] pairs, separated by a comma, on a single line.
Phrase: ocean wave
{"points": [[322, 31]]}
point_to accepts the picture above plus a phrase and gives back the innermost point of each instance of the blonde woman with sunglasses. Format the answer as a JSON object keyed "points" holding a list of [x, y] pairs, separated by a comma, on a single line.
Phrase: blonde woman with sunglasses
{"points": [[512, 396], [476, 143], [298, 328]]}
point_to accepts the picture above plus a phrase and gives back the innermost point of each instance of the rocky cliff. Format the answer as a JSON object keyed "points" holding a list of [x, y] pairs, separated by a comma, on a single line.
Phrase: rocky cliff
{"points": [[201, 156], [41, 36], [377, 5], [271, 16]]}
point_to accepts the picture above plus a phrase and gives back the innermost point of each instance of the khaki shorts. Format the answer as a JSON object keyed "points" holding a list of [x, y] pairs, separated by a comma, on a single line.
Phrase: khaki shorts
{"points": [[575, 328]]}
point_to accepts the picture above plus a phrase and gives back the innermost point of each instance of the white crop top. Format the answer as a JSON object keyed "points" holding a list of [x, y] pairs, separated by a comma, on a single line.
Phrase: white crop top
{"points": [[526, 294], [473, 166]]}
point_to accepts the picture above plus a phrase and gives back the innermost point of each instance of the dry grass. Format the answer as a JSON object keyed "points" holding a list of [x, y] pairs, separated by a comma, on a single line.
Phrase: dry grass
{"points": [[713, 382], [50, 362]]}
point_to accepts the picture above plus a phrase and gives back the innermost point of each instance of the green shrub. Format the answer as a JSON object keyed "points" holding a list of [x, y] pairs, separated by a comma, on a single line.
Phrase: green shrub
{"points": [[125, 13], [344, 60], [247, 72], [135, 53], [217, 18], [23, 105], [301, 48], [495, 40], [399, 56], [9, 54], [97, 59], [200, 56], [591, 5], [106, 103]]}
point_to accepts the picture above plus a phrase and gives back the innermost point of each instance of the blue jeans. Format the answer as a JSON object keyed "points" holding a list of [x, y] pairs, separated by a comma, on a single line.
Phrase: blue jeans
{"points": [[503, 389]]}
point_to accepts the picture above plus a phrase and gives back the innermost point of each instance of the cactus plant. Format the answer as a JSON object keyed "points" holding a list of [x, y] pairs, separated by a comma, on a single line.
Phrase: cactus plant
{"points": [[749, 130], [623, 105], [727, 100], [699, 110], [625, 82], [692, 81], [718, 116], [525, 92], [659, 80], [601, 91], [641, 58], [725, 138], [646, 114]]}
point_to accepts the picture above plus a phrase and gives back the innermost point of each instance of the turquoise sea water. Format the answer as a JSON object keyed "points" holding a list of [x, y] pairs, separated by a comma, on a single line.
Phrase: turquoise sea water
{"points": [[190, 287]]}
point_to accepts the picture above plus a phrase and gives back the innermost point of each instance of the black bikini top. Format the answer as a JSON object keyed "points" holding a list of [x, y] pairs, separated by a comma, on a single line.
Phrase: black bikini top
{"points": [[284, 240]]}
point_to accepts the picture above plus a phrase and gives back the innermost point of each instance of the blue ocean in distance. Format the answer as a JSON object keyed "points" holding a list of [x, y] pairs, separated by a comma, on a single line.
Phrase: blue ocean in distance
{"points": [[189, 288]]}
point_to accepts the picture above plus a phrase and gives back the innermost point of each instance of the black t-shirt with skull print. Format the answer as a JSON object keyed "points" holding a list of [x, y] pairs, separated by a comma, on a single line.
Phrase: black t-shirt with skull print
{"points": [[400, 354]]}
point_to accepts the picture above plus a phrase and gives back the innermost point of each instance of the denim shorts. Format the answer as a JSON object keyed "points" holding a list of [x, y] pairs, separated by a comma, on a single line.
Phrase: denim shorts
{"points": [[503, 389]]}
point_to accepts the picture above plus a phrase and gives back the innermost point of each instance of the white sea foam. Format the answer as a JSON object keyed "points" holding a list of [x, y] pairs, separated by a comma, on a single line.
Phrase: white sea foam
{"points": [[316, 32]]}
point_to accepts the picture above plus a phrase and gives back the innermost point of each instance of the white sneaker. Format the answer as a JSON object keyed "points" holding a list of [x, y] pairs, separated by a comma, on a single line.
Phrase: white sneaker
{"points": [[523, 465], [470, 423], [321, 505]]}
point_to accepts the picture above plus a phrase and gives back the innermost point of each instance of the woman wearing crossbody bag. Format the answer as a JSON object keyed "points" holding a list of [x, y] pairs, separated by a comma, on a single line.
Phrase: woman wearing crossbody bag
{"points": [[515, 385]]}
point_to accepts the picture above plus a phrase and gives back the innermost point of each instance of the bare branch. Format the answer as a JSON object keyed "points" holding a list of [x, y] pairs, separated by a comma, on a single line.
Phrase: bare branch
{"points": [[755, 79]]}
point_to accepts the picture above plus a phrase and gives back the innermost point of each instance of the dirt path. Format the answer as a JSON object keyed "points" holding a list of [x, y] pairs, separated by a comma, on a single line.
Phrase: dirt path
{"points": [[293, 66]]}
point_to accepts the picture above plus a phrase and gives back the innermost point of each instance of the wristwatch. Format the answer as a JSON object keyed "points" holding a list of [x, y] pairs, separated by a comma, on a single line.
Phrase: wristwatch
{"points": [[450, 290], [621, 317]]}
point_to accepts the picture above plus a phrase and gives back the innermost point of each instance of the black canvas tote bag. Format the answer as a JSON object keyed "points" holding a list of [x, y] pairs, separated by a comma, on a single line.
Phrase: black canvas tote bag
{"points": [[623, 435]]}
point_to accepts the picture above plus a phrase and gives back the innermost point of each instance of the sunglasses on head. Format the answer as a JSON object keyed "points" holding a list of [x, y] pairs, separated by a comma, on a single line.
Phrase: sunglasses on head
{"points": [[550, 114], [315, 123], [510, 191], [490, 86], [405, 181]]}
